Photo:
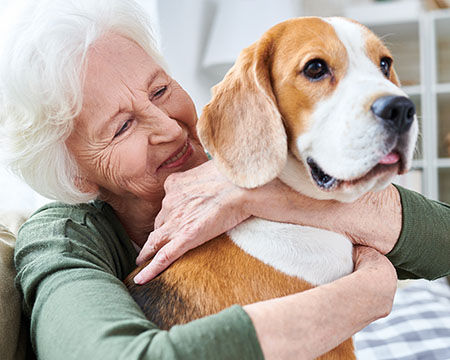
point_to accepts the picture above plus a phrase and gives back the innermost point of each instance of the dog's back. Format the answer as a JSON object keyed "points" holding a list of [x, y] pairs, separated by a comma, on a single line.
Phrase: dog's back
{"points": [[207, 280]]}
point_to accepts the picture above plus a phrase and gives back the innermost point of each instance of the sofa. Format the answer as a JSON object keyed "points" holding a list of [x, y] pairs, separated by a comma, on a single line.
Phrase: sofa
{"points": [[14, 339]]}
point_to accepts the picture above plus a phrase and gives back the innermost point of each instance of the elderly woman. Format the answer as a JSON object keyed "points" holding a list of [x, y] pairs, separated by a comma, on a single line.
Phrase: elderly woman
{"points": [[94, 120]]}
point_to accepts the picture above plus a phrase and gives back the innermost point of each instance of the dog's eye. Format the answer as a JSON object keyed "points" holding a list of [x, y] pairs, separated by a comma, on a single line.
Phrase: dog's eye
{"points": [[315, 69], [385, 66]]}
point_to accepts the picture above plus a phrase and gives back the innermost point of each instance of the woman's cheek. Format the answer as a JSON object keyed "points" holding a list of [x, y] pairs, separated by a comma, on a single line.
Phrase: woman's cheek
{"points": [[133, 156], [184, 110]]}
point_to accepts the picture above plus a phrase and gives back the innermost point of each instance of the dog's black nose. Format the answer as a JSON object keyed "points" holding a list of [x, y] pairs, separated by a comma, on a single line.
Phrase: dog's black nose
{"points": [[397, 112]]}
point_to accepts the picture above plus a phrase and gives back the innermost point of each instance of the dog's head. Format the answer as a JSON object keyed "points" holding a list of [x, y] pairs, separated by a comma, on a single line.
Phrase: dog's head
{"points": [[316, 102]]}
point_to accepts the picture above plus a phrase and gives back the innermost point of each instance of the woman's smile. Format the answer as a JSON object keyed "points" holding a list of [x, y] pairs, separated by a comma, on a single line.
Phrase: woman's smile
{"points": [[179, 157]]}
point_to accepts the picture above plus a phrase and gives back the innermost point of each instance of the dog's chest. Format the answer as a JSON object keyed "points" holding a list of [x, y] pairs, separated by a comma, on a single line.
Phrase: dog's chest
{"points": [[315, 255]]}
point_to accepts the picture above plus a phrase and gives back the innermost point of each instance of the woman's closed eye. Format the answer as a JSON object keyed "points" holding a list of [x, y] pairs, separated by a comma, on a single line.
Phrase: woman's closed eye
{"points": [[158, 93], [126, 125]]}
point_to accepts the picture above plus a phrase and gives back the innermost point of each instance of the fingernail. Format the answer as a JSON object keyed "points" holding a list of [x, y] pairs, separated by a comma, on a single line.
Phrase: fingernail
{"points": [[138, 279]]}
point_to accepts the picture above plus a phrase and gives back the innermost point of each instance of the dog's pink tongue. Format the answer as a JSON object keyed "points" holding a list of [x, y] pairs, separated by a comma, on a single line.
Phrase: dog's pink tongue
{"points": [[390, 158]]}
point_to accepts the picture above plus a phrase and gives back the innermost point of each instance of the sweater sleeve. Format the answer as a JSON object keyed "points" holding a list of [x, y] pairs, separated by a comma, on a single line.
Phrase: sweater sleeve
{"points": [[69, 265], [423, 248]]}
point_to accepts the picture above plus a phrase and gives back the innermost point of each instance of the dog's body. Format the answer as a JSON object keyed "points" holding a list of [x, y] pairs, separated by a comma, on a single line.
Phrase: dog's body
{"points": [[312, 97], [239, 268]]}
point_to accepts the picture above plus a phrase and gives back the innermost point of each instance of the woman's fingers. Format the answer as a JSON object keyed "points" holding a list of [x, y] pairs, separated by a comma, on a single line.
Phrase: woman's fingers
{"points": [[159, 220], [364, 256], [367, 257], [199, 205], [382, 275], [156, 240], [372, 261], [165, 256]]}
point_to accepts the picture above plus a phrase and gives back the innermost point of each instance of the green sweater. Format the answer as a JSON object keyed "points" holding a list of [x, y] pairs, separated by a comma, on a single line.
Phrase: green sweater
{"points": [[71, 261]]}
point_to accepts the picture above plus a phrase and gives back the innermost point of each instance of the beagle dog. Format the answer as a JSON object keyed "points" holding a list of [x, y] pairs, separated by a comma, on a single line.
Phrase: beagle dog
{"points": [[317, 103]]}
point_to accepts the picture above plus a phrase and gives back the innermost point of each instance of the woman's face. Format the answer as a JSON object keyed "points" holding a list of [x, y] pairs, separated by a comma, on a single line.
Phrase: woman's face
{"points": [[136, 127]]}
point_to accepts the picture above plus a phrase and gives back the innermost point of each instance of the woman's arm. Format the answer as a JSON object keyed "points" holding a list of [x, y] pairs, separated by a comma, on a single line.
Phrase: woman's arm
{"points": [[201, 204], [413, 231], [81, 310], [69, 262], [374, 220], [423, 249]]}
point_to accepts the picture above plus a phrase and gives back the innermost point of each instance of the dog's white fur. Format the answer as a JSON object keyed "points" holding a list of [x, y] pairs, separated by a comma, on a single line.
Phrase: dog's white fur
{"points": [[315, 255]]}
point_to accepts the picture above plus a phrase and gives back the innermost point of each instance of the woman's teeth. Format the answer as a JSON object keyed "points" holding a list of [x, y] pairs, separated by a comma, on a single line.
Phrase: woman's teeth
{"points": [[177, 156]]}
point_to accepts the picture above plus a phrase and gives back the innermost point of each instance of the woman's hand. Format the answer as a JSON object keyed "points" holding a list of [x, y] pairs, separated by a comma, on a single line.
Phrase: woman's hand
{"points": [[199, 205], [381, 276]]}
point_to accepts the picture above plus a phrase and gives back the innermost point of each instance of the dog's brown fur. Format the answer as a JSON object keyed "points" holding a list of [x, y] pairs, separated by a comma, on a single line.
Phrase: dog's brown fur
{"points": [[211, 278]]}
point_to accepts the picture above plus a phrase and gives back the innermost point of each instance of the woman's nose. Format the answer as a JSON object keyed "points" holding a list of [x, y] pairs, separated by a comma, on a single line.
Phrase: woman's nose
{"points": [[164, 129]]}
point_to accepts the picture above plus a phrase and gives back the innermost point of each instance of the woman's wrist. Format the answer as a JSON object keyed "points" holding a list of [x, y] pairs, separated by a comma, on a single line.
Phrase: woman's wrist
{"points": [[373, 220]]}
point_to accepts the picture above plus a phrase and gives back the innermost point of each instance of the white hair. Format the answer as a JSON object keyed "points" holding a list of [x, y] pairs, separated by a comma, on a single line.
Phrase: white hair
{"points": [[41, 84]]}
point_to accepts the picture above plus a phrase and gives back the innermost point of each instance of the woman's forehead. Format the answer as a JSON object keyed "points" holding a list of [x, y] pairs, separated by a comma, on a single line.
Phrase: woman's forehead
{"points": [[116, 58], [117, 69]]}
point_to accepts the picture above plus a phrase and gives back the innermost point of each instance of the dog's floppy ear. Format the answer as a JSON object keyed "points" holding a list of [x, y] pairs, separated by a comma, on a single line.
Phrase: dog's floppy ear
{"points": [[241, 127]]}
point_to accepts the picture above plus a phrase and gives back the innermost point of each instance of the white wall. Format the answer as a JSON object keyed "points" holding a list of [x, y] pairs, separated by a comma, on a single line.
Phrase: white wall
{"points": [[184, 27], [14, 194]]}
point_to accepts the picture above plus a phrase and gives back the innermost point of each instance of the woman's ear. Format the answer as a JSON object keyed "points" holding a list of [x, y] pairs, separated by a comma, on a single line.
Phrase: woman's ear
{"points": [[241, 127]]}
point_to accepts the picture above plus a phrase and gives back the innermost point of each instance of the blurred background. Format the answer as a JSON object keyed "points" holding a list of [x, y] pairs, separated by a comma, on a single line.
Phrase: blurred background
{"points": [[201, 39]]}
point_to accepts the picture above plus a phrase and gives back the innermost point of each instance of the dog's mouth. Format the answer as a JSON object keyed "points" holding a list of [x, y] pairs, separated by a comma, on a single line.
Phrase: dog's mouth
{"points": [[322, 179], [388, 163]]}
